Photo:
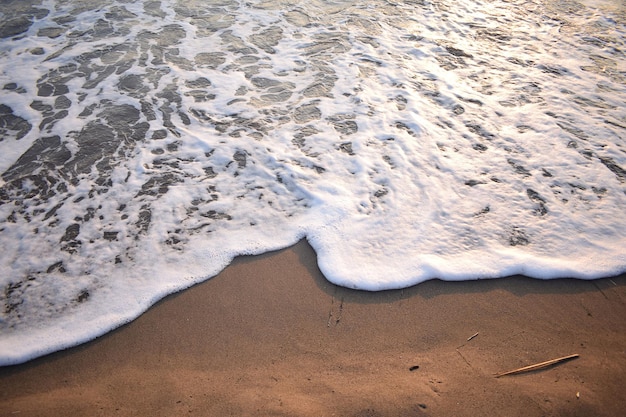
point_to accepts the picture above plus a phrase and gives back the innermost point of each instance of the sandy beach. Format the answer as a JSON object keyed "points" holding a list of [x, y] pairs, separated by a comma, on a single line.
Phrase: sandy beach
{"points": [[269, 336]]}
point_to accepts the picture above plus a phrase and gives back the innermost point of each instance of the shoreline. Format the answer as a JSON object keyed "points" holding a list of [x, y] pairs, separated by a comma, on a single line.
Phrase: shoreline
{"points": [[270, 336]]}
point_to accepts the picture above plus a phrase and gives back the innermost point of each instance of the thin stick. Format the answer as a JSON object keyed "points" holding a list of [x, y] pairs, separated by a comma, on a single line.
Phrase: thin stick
{"points": [[472, 336], [538, 365]]}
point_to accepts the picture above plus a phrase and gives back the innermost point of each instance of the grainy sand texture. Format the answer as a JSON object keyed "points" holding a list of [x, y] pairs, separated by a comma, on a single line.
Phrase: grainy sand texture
{"points": [[269, 336]]}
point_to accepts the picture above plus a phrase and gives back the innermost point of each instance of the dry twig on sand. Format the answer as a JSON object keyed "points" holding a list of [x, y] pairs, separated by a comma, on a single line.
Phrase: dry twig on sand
{"points": [[472, 336], [538, 365]]}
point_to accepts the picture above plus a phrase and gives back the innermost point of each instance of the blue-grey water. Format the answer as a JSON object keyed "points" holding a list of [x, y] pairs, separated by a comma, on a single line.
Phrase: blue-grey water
{"points": [[144, 144]]}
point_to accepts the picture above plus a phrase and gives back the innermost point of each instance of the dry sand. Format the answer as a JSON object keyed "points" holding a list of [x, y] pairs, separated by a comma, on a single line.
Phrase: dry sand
{"points": [[270, 336]]}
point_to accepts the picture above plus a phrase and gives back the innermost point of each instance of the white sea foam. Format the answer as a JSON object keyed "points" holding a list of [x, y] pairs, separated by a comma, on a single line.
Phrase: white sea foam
{"points": [[146, 144]]}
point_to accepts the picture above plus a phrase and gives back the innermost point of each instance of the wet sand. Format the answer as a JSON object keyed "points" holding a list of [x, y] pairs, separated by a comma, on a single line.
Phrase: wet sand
{"points": [[270, 336]]}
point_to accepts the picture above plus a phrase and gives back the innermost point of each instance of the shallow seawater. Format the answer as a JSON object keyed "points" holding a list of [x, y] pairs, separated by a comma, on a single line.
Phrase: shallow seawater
{"points": [[144, 144]]}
